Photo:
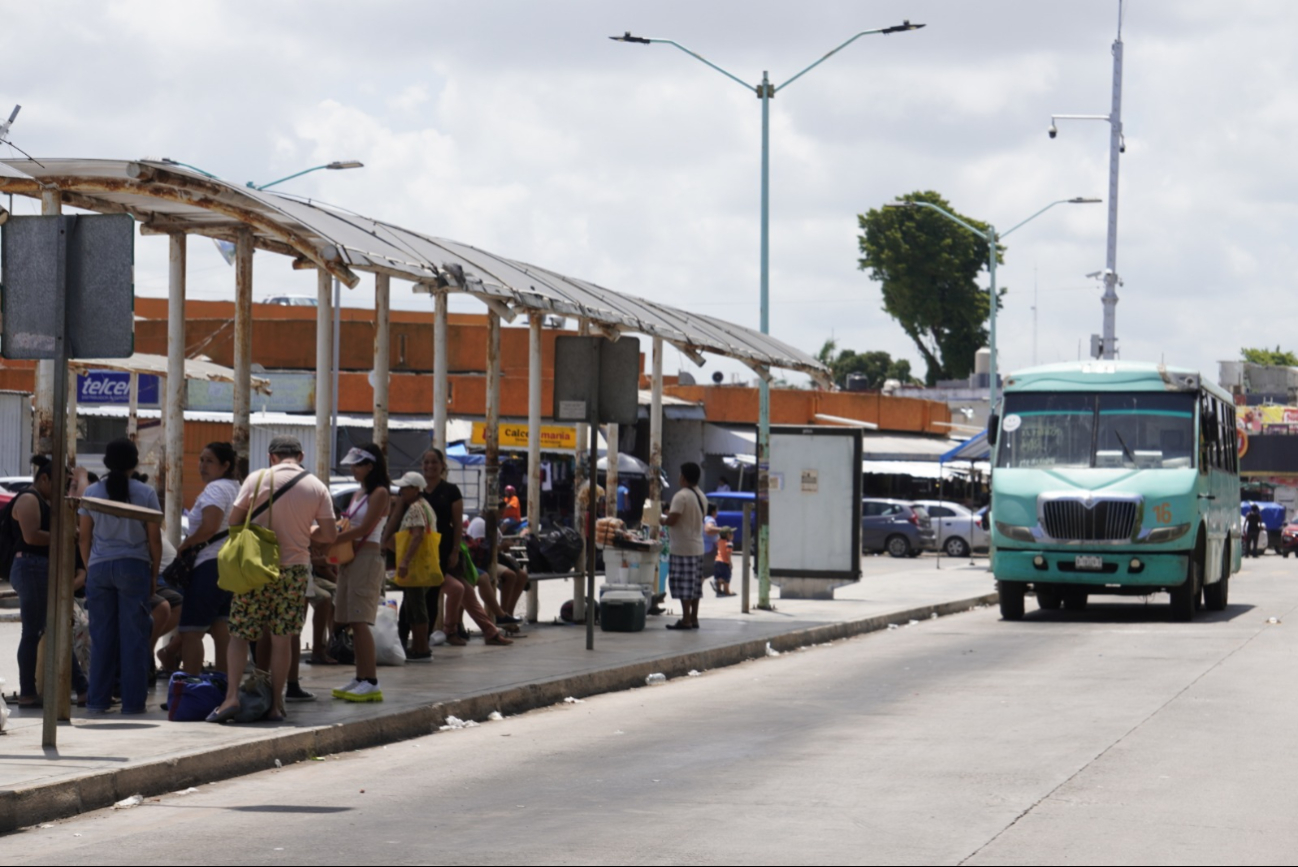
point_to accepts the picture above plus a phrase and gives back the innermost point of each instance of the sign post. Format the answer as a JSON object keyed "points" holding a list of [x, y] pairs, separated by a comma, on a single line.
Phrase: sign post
{"points": [[596, 380], [67, 291]]}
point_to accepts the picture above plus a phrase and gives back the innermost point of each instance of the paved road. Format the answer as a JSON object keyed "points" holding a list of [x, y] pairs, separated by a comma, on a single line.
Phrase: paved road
{"points": [[1111, 736]]}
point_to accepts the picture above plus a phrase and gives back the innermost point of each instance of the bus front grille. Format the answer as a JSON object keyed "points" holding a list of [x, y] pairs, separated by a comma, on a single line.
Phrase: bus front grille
{"points": [[1103, 521]]}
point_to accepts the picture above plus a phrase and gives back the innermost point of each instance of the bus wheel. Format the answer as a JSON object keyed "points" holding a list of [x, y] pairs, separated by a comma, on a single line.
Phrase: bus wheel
{"points": [[1216, 596], [1075, 600], [1011, 593], [1048, 598], [1186, 597]]}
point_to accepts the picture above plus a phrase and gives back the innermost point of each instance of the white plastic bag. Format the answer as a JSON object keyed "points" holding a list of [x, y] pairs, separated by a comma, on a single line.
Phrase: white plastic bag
{"points": [[387, 643]]}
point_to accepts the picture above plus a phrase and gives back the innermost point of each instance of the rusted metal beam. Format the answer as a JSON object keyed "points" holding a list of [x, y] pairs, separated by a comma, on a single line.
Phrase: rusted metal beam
{"points": [[656, 440], [242, 348], [382, 357], [174, 422], [43, 404], [324, 363]]}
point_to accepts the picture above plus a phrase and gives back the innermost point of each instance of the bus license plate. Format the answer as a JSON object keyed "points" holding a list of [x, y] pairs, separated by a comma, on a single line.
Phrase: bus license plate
{"points": [[1088, 563]]}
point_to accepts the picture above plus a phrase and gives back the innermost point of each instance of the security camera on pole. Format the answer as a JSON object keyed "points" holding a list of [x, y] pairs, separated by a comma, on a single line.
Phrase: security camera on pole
{"points": [[1106, 346]]}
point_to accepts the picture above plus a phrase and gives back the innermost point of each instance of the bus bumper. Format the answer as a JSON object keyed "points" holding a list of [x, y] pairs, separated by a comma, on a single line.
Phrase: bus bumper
{"points": [[1127, 568]]}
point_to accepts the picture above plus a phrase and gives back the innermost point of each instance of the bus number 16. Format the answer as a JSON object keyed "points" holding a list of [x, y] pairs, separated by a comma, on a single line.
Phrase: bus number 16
{"points": [[1163, 512]]}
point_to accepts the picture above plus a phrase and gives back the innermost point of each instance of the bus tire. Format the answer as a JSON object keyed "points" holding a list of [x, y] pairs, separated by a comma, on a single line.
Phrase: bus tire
{"points": [[1216, 596], [1186, 597], [1011, 594]]}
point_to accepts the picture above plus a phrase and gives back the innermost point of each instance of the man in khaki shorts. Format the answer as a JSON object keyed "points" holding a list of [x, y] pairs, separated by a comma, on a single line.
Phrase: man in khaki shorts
{"points": [[303, 516]]}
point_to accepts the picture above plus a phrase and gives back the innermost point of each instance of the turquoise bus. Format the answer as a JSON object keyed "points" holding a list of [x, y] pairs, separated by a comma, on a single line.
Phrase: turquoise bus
{"points": [[1114, 477]]}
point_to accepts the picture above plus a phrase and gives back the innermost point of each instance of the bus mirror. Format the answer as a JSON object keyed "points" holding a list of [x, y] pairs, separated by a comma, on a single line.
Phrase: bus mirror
{"points": [[993, 427]]}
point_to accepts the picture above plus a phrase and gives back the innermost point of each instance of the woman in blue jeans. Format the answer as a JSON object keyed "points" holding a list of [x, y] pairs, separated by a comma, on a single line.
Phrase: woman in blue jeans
{"points": [[122, 557], [30, 577]]}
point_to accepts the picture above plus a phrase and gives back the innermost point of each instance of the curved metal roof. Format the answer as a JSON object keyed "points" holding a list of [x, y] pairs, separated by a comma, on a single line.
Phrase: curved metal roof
{"points": [[166, 197]]}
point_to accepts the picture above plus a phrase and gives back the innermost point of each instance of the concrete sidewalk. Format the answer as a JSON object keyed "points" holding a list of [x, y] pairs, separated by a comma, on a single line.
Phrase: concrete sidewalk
{"points": [[104, 759]]}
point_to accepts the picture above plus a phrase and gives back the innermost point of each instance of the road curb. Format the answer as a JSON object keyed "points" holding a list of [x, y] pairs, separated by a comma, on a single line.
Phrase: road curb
{"points": [[27, 806]]}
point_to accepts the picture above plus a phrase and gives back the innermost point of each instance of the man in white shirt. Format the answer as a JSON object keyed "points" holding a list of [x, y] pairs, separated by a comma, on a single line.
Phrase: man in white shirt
{"points": [[685, 563]]}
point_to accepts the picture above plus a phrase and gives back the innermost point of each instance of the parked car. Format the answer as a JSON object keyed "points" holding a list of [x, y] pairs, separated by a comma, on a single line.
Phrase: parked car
{"points": [[1289, 538], [896, 526], [958, 531], [730, 512], [293, 300]]}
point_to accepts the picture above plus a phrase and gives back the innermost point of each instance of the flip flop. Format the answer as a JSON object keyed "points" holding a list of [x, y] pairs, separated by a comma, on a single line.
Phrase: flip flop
{"points": [[679, 624], [221, 716]]}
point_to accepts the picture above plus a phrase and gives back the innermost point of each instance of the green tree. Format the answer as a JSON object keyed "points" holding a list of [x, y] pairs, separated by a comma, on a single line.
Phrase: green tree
{"points": [[1270, 358], [878, 367], [928, 267]]}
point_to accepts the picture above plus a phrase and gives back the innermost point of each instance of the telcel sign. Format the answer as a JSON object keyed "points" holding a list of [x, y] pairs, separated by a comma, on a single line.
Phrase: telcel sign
{"points": [[114, 387]]}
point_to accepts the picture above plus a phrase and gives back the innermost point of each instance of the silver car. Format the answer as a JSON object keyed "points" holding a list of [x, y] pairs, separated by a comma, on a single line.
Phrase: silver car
{"points": [[958, 530]]}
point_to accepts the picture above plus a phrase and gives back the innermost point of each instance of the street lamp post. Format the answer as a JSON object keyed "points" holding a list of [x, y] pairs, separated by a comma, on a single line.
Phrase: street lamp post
{"points": [[336, 165], [992, 238], [765, 92], [1117, 146]]}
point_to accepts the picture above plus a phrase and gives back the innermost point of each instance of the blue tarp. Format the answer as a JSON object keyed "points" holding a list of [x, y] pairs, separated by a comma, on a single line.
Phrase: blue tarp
{"points": [[1273, 514], [459, 453], [975, 448]]}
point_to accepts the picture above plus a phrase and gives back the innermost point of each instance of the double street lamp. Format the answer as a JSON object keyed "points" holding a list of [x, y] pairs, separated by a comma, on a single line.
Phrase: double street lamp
{"points": [[765, 91], [992, 237]]}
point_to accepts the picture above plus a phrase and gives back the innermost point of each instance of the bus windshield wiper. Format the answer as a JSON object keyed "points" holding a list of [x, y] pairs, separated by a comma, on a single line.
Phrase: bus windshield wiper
{"points": [[1126, 451]]}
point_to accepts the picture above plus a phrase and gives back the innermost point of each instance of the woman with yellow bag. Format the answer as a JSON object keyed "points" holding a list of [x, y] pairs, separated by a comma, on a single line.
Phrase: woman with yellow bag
{"points": [[417, 543]]}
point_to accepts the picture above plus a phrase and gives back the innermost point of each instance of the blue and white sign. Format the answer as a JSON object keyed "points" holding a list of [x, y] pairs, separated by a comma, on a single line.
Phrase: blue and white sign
{"points": [[114, 387]]}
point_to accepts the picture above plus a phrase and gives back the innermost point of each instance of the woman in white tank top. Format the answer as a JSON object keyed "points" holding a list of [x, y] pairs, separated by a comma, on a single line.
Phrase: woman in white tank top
{"points": [[360, 582]]}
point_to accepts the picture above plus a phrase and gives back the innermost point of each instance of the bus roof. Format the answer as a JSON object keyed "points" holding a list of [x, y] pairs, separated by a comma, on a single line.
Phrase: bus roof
{"points": [[1111, 376]]}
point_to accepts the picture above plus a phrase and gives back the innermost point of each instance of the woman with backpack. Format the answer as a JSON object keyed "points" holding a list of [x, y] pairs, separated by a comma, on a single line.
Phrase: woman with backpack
{"points": [[30, 577], [122, 556], [207, 606]]}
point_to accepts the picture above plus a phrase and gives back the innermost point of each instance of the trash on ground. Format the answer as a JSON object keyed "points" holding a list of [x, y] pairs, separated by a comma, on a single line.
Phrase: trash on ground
{"points": [[278, 763], [656, 677], [913, 623], [125, 803], [453, 723], [47, 825], [893, 626], [933, 616], [1273, 620], [694, 672], [771, 651], [495, 716], [190, 791], [571, 700]]}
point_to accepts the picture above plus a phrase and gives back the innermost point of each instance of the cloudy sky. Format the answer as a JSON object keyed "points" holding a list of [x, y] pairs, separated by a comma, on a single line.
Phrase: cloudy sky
{"points": [[519, 127]]}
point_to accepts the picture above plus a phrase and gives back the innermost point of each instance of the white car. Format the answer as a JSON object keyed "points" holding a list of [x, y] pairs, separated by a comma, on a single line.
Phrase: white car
{"points": [[958, 530]]}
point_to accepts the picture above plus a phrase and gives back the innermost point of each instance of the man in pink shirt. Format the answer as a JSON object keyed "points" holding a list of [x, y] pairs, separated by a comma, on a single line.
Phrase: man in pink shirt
{"points": [[302, 516]]}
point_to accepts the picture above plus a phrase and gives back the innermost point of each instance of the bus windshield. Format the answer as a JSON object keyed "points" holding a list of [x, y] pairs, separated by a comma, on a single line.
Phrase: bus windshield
{"points": [[1144, 430]]}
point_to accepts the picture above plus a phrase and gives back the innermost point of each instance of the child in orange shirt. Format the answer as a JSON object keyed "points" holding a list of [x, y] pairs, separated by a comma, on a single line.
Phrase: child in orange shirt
{"points": [[721, 568]]}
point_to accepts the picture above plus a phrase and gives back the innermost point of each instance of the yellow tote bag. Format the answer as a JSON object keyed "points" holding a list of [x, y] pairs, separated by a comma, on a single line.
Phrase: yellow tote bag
{"points": [[425, 566], [249, 559]]}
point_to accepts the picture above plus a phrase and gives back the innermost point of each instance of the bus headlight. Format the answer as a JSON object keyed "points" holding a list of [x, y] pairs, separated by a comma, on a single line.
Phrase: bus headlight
{"points": [[1015, 532], [1167, 534]]}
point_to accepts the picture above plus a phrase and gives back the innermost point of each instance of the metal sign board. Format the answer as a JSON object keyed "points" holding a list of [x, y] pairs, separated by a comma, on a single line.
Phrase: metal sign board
{"points": [[92, 258], [597, 380], [816, 513]]}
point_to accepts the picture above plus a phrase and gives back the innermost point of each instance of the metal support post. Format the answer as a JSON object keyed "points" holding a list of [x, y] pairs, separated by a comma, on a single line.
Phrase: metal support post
{"points": [[323, 371], [441, 374], [336, 359], [174, 430], [765, 92], [534, 388], [656, 440], [991, 273], [382, 357], [492, 435], [587, 440], [43, 403], [133, 410], [743, 556], [589, 615], [242, 347], [1111, 246], [610, 474]]}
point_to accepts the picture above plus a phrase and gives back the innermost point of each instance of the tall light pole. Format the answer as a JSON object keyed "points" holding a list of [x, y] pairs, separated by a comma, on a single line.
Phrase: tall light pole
{"points": [[993, 238], [765, 92], [1117, 146]]}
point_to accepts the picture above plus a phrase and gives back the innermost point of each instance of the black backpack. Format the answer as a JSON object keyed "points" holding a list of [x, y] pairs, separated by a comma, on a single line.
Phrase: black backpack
{"points": [[9, 531]]}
